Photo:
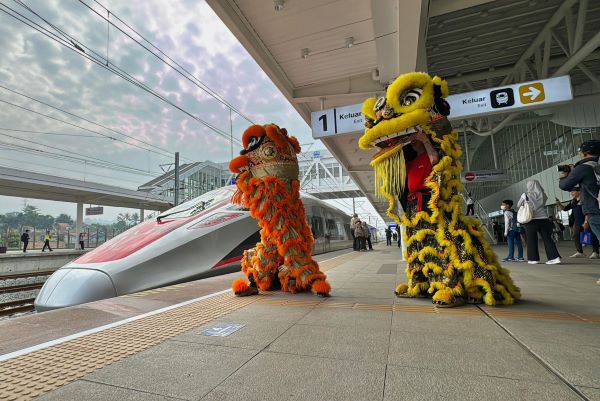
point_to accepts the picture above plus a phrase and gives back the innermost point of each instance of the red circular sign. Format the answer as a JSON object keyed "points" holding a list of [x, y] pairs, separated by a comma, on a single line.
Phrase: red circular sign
{"points": [[470, 176]]}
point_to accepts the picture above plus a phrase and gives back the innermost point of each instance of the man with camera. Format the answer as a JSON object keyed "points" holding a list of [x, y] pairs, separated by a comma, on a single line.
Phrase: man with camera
{"points": [[583, 174]]}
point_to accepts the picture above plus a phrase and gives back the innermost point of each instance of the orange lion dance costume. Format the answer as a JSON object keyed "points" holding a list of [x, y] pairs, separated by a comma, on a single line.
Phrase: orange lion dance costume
{"points": [[268, 185]]}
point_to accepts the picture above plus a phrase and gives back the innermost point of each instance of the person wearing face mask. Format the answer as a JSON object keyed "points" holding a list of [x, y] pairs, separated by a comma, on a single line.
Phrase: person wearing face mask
{"points": [[511, 232]]}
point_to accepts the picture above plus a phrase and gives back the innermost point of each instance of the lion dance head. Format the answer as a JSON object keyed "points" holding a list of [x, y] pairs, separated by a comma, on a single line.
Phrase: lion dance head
{"points": [[413, 109], [268, 151]]}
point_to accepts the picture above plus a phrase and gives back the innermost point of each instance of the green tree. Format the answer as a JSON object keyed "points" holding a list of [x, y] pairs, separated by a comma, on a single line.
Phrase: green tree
{"points": [[64, 218]]}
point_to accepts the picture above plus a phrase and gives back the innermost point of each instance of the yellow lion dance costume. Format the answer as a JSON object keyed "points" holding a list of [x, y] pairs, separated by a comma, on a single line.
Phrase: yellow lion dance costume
{"points": [[448, 255], [268, 185]]}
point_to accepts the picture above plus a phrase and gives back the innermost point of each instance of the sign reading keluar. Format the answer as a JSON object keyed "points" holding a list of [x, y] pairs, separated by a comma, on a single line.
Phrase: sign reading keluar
{"points": [[534, 94]]}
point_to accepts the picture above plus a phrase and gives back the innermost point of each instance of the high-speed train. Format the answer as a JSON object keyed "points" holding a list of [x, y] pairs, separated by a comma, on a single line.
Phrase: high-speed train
{"points": [[187, 242]]}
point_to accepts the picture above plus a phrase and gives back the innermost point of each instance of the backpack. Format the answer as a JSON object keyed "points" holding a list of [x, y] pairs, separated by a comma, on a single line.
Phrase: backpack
{"points": [[525, 214], [24, 237], [596, 168]]}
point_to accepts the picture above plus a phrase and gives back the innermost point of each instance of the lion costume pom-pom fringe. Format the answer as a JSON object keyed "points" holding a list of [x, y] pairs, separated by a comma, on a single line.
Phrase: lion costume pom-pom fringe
{"points": [[321, 287], [239, 285]]}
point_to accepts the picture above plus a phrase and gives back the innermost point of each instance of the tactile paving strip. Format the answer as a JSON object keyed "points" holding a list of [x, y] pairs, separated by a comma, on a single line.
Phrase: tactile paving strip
{"points": [[468, 310], [39, 372], [36, 373]]}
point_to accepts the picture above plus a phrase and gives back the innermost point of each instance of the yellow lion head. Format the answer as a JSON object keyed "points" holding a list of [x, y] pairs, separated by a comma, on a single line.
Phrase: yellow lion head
{"points": [[411, 102]]}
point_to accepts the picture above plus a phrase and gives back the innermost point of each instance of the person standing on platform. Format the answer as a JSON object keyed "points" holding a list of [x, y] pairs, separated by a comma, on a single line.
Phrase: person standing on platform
{"points": [[388, 236], [470, 205], [359, 233], [574, 206], [540, 223], [511, 232], [367, 234], [354, 239], [47, 239], [81, 241], [25, 240], [583, 174]]}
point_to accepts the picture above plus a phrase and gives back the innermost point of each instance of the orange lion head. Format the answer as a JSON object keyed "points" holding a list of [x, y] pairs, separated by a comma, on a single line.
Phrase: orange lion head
{"points": [[268, 151]]}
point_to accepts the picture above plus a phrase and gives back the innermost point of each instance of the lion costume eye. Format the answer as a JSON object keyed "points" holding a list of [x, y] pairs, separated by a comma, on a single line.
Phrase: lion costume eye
{"points": [[380, 104], [410, 96], [253, 141]]}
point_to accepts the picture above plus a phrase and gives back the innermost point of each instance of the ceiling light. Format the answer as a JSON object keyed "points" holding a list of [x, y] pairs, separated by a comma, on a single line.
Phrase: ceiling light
{"points": [[305, 53], [278, 4], [349, 42]]}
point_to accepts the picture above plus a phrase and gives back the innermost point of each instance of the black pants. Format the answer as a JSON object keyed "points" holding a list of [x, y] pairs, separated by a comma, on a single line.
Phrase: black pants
{"points": [[576, 239], [368, 242], [81, 245], [389, 241], [25, 243], [354, 240], [471, 208], [360, 243], [544, 227], [46, 244]]}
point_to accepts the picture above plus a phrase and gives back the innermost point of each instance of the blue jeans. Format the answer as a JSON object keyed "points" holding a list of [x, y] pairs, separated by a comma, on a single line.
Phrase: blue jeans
{"points": [[514, 237], [594, 221]]}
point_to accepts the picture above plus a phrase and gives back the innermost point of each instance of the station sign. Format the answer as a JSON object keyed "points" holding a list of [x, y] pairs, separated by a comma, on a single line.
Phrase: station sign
{"points": [[316, 155], [92, 211], [525, 95], [534, 94], [483, 176], [341, 120]]}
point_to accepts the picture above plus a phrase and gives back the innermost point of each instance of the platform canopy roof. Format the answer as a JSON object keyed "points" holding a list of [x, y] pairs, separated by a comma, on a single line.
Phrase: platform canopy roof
{"points": [[27, 184], [323, 54]]}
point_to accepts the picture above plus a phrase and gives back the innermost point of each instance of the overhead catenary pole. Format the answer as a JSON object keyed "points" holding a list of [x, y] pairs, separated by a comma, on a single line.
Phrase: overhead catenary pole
{"points": [[231, 133], [176, 185]]}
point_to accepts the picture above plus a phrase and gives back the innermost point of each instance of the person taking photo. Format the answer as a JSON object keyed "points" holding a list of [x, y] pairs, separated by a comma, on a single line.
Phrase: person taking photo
{"points": [[583, 174]]}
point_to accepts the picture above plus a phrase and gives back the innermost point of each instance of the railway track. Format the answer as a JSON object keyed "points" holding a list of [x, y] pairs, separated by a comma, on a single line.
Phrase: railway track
{"points": [[20, 306], [26, 275], [19, 283], [20, 288]]}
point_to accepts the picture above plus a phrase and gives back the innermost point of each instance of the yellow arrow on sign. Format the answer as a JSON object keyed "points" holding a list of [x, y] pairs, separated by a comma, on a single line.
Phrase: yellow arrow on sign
{"points": [[532, 93]]}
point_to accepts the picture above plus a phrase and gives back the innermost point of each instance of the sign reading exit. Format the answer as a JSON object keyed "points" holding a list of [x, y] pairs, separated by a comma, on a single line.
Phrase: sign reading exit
{"points": [[340, 120], [535, 94]]}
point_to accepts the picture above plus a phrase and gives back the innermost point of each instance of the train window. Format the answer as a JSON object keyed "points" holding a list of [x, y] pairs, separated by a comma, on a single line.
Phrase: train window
{"points": [[316, 225], [332, 229]]}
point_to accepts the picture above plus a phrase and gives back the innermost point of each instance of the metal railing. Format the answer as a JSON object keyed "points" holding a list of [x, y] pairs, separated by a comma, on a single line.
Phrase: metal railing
{"points": [[486, 222], [10, 237]]}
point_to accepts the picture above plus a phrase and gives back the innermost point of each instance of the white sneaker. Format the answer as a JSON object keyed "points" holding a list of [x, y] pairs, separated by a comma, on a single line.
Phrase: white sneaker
{"points": [[533, 262], [553, 261], [579, 255], [594, 255]]}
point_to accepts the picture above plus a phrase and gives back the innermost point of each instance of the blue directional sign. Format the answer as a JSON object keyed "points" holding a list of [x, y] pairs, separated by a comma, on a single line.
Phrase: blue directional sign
{"points": [[222, 330]]}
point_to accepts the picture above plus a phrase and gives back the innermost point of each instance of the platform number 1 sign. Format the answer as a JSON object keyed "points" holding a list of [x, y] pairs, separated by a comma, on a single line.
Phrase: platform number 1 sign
{"points": [[323, 122]]}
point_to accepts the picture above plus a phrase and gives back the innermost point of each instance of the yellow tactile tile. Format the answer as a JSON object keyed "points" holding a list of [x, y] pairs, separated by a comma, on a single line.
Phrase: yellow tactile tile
{"points": [[39, 372]]}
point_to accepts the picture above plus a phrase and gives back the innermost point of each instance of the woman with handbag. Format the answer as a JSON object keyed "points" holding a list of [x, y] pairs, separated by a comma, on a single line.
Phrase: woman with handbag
{"points": [[532, 213]]}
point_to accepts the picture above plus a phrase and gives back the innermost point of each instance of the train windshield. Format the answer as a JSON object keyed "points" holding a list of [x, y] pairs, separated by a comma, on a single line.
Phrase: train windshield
{"points": [[198, 204]]}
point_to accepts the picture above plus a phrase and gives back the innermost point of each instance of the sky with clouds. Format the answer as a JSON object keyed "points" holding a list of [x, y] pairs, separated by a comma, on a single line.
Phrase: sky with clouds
{"points": [[187, 30]]}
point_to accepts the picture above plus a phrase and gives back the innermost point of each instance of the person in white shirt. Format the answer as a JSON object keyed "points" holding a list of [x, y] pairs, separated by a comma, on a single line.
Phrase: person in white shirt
{"points": [[511, 232], [470, 205], [540, 223]]}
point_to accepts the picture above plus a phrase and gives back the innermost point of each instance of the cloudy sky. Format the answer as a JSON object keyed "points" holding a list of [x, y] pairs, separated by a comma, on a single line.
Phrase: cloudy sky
{"points": [[187, 30]]}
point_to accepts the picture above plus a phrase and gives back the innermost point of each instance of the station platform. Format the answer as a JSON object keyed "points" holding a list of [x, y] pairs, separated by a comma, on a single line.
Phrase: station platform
{"points": [[362, 343], [35, 260]]}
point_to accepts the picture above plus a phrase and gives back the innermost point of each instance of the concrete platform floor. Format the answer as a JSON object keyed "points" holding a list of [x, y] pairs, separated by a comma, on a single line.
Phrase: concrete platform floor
{"points": [[363, 344]]}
